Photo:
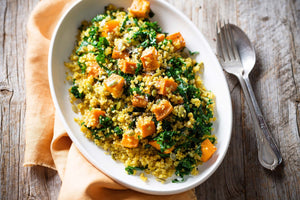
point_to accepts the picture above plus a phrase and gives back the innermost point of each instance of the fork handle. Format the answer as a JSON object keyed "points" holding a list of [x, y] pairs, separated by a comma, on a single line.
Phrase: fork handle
{"points": [[268, 153]]}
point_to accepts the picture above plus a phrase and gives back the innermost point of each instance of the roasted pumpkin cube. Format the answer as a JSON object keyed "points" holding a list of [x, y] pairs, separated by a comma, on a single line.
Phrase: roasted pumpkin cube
{"points": [[110, 27], [116, 54], [157, 146], [114, 84], [139, 8], [93, 70], [208, 149], [149, 59], [127, 67], [162, 109], [167, 86], [160, 37], [139, 101], [93, 117], [145, 126], [177, 40], [130, 141]]}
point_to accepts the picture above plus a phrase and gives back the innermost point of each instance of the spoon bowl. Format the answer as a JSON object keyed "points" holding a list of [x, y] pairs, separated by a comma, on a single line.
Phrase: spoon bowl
{"points": [[245, 48]]}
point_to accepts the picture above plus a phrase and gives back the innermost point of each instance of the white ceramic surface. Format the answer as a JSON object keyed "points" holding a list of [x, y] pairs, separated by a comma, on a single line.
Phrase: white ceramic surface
{"points": [[171, 20]]}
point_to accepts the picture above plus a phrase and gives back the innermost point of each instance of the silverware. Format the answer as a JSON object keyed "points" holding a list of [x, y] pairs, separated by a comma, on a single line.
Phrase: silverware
{"points": [[237, 56]]}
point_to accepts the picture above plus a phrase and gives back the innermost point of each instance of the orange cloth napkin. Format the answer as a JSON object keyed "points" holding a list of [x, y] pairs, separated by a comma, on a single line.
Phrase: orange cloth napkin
{"points": [[47, 143]]}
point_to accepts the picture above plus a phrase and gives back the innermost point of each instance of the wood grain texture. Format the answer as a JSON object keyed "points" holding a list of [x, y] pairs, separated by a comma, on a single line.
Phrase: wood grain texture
{"points": [[274, 29]]}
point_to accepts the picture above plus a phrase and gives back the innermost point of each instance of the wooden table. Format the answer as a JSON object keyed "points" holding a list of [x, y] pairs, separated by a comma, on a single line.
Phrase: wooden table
{"points": [[274, 29]]}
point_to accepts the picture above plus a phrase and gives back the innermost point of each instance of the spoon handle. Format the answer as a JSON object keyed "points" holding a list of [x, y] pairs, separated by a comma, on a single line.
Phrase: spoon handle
{"points": [[268, 153]]}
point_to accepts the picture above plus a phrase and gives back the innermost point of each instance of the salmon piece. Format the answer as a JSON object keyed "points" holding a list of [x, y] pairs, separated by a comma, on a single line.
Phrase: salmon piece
{"points": [[140, 8], [160, 37], [146, 126], [157, 146], [127, 67], [109, 27], [139, 101], [167, 86], [94, 117], [93, 70], [208, 149], [130, 141], [177, 40], [114, 84], [149, 59], [162, 110], [116, 54]]}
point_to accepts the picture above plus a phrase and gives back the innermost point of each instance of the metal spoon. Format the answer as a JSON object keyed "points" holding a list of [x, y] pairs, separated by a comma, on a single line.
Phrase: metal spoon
{"points": [[231, 40]]}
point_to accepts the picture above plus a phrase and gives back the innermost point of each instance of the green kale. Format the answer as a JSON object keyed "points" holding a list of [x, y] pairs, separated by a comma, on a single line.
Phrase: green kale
{"points": [[102, 44], [137, 90], [127, 77], [82, 67], [138, 69], [76, 93], [118, 130], [185, 166], [130, 170], [105, 121], [93, 31], [198, 150], [151, 14], [82, 44], [165, 140], [136, 21], [154, 26], [123, 24], [98, 18], [193, 53], [132, 124]]}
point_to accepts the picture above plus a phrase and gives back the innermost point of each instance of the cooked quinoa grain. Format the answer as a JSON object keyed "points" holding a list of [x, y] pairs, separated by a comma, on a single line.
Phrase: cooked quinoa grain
{"points": [[140, 96]]}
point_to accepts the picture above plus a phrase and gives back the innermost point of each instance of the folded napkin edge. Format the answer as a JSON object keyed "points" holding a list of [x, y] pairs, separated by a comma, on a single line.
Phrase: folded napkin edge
{"points": [[33, 163]]}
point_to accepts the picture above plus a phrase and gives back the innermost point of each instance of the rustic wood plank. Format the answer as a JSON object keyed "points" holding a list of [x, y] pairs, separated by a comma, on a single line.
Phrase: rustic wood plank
{"points": [[274, 30], [16, 181], [270, 29]]}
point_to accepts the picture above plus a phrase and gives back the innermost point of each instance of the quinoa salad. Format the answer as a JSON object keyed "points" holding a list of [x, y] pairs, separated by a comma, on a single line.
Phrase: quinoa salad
{"points": [[139, 94]]}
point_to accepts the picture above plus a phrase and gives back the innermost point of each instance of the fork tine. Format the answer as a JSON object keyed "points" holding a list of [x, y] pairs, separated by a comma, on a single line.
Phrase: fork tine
{"points": [[229, 41], [223, 42], [219, 41], [233, 45]]}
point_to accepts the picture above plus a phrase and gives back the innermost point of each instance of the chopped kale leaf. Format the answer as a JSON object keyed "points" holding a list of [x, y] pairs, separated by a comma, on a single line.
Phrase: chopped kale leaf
{"points": [[76, 93], [185, 166], [130, 170]]}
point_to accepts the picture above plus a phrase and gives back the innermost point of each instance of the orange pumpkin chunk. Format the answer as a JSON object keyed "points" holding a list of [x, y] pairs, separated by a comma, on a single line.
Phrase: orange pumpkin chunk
{"points": [[93, 70], [149, 59], [146, 126], [167, 86], [127, 67], [157, 146], [160, 37], [208, 149], [177, 40], [129, 141], [119, 54], [162, 110], [140, 8], [139, 101], [94, 117], [114, 84], [110, 27]]}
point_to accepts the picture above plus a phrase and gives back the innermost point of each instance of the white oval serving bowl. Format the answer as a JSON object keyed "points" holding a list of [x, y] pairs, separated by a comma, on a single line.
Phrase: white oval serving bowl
{"points": [[171, 20]]}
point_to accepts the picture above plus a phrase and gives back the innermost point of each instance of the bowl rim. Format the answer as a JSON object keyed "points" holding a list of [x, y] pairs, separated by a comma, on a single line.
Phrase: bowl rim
{"points": [[82, 149]]}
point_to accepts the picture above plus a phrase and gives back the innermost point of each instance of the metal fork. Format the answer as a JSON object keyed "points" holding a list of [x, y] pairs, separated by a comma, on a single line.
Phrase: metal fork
{"points": [[237, 57]]}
